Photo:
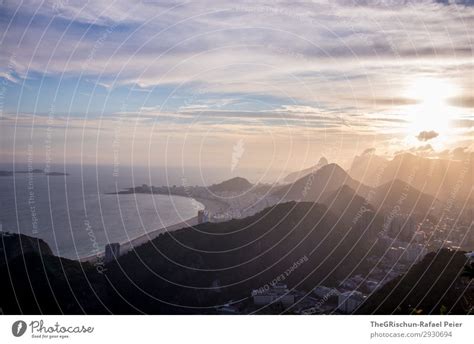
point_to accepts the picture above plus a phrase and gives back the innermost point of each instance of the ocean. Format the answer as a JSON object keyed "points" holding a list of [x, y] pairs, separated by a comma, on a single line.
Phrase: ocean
{"points": [[75, 215]]}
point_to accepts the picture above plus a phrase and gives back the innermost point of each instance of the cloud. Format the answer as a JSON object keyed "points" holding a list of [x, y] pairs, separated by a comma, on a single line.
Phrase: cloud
{"points": [[425, 150], [151, 43], [427, 135], [284, 116], [463, 123], [465, 102], [369, 151], [390, 101], [458, 153], [187, 55]]}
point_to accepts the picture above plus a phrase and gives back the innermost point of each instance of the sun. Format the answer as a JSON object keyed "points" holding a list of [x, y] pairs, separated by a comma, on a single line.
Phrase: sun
{"points": [[431, 110]]}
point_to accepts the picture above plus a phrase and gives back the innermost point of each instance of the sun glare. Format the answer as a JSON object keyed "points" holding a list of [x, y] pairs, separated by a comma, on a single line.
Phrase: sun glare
{"points": [[432, 110]]}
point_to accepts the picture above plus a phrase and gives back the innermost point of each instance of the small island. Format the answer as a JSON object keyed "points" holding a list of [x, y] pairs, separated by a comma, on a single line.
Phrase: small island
{"points": [[38, 171], [53, 174]]}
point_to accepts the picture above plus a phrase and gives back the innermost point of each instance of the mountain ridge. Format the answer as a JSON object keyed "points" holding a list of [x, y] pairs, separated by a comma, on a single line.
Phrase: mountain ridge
{"points": [[236, 184], [319, 184], [294, 176]]}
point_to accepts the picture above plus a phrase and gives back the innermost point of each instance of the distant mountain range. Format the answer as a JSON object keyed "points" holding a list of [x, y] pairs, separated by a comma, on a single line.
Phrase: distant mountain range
{"points": [[368, 169], [406, 197], [236, 184], [332, 186], [292, 177], [414, 185], [348, 205], [442, 179], [320, 184], [408, 183]]}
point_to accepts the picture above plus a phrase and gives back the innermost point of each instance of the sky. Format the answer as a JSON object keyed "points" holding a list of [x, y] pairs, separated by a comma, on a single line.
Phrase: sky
{"points": [[238, 85]]}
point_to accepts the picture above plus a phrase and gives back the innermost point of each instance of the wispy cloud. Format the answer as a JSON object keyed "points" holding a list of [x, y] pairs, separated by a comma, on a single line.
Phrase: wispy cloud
{"points": [[332, 66]]}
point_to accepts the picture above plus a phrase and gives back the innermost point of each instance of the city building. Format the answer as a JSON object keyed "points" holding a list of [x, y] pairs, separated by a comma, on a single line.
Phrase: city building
{"points": [[278, 293], [349, 284], [419, 237], [112, 251], [470, 256], [372, 285], [469, 237], [393, 254], [203, 216], [402, 227], [324, 292], [349, 301], [414, 252]]}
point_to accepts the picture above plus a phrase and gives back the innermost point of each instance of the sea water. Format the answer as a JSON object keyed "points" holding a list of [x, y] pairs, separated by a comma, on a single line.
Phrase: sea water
{"points": [[75, 214]]}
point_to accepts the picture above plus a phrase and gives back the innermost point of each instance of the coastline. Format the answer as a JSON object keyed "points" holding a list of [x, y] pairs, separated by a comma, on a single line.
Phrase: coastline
{"points": [[128, 245]]}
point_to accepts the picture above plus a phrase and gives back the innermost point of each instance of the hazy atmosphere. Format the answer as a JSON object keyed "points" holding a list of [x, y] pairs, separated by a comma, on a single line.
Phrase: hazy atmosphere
{"points": [[185, 84]]}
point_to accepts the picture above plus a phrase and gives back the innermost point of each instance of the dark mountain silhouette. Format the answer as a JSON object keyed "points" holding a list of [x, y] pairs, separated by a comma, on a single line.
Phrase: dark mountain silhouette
{"points": [[236, 184], [318, 185], [46, 284], [368, 169], [292, 177], [14, 245], [437, 177], [176, 271], [356, 212], [409, 199], [339, 200], [348, 205], [191, 270], [432, 286]]}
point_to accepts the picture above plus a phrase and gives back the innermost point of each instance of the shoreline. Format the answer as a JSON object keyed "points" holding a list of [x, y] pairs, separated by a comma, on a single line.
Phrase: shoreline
{"points": [[128, 245]]}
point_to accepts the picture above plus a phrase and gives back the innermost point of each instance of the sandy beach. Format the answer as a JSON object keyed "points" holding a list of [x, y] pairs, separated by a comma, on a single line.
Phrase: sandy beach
{"points": [[212, 206]]}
